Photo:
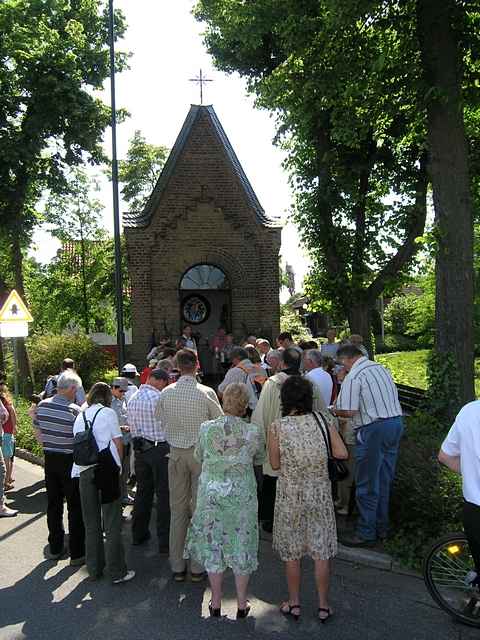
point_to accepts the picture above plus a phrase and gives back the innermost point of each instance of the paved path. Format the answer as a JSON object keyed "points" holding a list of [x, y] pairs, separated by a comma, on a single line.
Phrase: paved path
{"points": [[40, 599]]}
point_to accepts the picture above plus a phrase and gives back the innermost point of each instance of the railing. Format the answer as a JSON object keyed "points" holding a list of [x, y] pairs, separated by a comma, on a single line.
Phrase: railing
{"points": [[410, 398]]}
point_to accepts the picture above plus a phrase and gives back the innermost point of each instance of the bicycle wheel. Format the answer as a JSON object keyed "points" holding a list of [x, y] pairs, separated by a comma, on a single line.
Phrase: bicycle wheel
{"points": [[448, 572]]}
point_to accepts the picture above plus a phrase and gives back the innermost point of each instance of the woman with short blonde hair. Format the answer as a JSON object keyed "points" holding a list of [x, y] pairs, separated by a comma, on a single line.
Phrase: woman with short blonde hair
{"points": [[235, 399], [223, 532]]}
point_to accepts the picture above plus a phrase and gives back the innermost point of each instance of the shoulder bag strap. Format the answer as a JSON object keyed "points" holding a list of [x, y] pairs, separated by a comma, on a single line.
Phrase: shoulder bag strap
{"points": [[89, 425], [324, 431]]}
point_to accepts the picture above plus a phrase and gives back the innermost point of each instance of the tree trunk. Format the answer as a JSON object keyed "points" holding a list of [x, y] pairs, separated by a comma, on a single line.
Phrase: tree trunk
{"points": [[448, 165], [25, 371], [359, 321]]}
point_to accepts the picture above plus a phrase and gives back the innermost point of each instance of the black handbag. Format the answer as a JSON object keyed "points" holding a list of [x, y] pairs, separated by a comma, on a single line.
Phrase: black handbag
{"points": [[85, 447], [337, 470]]}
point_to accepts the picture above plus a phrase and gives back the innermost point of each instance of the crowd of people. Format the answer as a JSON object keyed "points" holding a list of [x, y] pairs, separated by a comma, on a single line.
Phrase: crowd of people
{"points": [[257, 451]]}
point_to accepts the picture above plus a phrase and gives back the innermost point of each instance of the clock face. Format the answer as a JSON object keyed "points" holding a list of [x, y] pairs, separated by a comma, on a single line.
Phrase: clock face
{"points": [[195, 309]]}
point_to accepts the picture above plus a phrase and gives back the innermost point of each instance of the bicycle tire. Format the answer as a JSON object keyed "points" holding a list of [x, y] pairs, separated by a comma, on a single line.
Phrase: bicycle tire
{"points": [[444, 561]]}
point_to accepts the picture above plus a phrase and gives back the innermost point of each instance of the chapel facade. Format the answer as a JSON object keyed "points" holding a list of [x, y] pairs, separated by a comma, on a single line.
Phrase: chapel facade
{"points": [[202, 252]]}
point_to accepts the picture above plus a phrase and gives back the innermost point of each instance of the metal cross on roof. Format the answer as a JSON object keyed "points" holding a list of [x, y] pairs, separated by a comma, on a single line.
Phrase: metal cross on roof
{"points": [[200, 80]]}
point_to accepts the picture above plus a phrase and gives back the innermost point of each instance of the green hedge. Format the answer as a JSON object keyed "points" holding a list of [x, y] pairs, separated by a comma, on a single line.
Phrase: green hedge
{"points": [[426, 498], [48, 351]]}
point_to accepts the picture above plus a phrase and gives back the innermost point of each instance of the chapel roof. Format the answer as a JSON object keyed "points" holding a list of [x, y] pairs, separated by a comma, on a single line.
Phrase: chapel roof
{"points": [[143, 218]]}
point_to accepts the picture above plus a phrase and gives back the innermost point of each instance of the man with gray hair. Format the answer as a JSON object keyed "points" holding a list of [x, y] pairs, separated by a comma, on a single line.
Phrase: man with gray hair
{"points": [[54, 430], [273, 360], [242, 371], [314, 371]]}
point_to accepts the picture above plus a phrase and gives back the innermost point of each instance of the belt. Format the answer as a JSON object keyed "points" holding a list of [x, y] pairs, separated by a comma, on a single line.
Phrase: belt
{"points": [[152, 443]]}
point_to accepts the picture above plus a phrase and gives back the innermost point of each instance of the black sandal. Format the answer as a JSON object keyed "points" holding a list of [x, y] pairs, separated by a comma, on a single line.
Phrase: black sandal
{"points": [[289, 611], [243, 613], [214, 613], [327, 617]]}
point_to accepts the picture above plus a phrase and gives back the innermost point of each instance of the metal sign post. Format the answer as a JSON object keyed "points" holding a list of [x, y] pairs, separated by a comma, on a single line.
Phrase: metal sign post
{"points": [[15, 366]]}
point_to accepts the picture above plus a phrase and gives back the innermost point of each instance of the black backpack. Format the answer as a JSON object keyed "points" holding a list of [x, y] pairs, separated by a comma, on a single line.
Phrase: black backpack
{"points": [[85, 447]]}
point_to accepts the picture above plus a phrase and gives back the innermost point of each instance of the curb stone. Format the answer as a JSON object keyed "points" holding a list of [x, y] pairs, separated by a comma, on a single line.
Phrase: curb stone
{"points": [[374, 559], [23, 454]]}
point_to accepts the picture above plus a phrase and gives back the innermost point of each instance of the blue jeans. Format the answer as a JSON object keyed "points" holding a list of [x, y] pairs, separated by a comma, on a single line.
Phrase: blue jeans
{"points": [[376, 452]]}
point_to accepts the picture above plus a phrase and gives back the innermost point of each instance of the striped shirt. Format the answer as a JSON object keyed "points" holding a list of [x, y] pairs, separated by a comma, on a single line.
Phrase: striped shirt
{"points": [[369, 390], [183, 407], [142, 414], [54, 419]]}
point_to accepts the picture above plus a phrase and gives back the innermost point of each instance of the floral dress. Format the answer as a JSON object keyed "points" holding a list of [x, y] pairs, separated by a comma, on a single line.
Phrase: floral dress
{"points": [[224, 528], [304, 522]]}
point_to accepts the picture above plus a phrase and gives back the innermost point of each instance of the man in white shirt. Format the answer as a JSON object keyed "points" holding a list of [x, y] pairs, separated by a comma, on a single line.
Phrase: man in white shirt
{"points": [[313, 365], [369, 396], [460, 452]]}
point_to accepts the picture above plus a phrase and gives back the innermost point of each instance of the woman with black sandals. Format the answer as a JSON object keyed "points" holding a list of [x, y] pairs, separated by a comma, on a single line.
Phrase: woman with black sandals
{"points": [[304, 523]]}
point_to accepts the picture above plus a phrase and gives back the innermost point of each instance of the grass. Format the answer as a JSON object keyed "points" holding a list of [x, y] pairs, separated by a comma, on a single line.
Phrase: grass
{"points": [[407, 367], [410, 367]]}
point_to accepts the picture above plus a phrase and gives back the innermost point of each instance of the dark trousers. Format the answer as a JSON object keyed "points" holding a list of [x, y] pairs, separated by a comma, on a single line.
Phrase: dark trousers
{"points": [[151, 470], [267, 502], [471, 525], [100, 517], [60, 486]]}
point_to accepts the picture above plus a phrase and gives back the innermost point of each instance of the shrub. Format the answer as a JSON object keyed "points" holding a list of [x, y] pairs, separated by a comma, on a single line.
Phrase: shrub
{"points": [[399, 312], [393, 343], [25, 438], [426, 497], [48, 351], [291, 321]]}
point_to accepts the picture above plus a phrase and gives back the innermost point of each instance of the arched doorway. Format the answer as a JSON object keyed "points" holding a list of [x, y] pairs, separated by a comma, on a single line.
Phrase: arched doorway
{"points": [[205, 305]]}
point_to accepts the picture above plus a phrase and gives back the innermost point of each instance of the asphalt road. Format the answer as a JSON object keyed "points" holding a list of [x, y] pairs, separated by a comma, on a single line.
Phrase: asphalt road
{"points": [[41, 599]]}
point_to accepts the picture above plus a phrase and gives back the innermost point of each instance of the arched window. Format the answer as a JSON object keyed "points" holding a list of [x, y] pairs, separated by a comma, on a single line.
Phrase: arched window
{"points": [[206, 277]]}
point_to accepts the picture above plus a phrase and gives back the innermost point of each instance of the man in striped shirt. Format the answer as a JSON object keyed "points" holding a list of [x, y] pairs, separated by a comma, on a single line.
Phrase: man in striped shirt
{"points": [[54, 429], [370, 398]]}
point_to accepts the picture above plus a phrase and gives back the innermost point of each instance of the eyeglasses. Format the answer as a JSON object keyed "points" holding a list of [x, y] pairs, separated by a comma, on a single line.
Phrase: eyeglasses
{"points": [[121, 390]]}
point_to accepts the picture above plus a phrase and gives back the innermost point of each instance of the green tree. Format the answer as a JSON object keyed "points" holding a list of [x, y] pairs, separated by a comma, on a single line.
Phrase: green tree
{"points": [[140, 171], [367, 103], [53, 57], [354, 146]]}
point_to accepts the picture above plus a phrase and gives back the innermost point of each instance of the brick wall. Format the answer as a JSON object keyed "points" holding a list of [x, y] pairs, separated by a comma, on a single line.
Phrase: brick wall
{"points": [[202, 217]]}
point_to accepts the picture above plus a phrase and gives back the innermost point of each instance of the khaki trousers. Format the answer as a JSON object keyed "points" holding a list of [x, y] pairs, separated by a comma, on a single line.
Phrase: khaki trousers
{"points": [[183, 474], [344, 488]]}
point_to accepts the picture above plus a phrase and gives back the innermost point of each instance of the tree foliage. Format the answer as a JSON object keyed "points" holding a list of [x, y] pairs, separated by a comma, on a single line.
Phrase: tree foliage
{"points": [[140, 171], [54, 56], [349, 125]]}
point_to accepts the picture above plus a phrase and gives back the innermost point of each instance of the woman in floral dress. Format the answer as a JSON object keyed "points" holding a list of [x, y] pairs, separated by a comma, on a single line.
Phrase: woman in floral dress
{"points": [[224, 529], [304, 523]]}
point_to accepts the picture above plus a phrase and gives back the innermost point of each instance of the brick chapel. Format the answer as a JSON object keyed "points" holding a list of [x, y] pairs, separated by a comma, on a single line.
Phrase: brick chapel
{"points": [[202, 252]]}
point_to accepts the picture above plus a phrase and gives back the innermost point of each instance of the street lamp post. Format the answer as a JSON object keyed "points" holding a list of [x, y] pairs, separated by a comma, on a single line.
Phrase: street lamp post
{"points": [[116, 206]]}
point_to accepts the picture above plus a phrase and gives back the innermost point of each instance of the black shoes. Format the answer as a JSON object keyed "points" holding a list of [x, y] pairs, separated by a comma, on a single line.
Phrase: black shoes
{"points": [[142, 540]]}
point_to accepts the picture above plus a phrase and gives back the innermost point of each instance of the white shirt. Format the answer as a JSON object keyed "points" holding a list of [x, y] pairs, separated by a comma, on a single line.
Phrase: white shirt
{"points": [[323, 380], [105, 428], [463, 440], [130, 392], [369, 390]]}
